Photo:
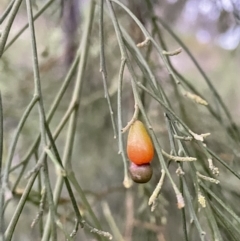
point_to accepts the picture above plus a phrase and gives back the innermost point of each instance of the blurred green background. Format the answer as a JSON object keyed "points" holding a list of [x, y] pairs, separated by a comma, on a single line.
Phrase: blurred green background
{"points": [[211, 31]]}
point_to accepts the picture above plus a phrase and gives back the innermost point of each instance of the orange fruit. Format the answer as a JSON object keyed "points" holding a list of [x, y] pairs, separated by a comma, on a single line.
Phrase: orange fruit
{"points": [[139, 144]]}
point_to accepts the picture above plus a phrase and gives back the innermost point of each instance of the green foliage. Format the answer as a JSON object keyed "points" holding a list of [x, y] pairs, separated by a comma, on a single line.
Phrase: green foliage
{"points": [[63, 145]]}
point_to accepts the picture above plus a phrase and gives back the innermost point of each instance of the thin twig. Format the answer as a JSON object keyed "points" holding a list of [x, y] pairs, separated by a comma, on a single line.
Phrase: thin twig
{"points": [[172, 53], [15, 138], [52, 209], [67, 183], [192, 212], [6, 11], [2, 189], [209, 179], [6, 31], [19, 33], [197, 99], [37, 82], [185, 138], [103, 68], [155, 194], [18, 210], [127, 182], [179, 158], [111, 222], [144, 43], [41, 207], [134, 118], [42, 117], [224, 163]]}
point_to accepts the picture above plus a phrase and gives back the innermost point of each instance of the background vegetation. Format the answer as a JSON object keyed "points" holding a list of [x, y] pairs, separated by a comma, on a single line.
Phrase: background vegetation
{"points": [[73, 73]]}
